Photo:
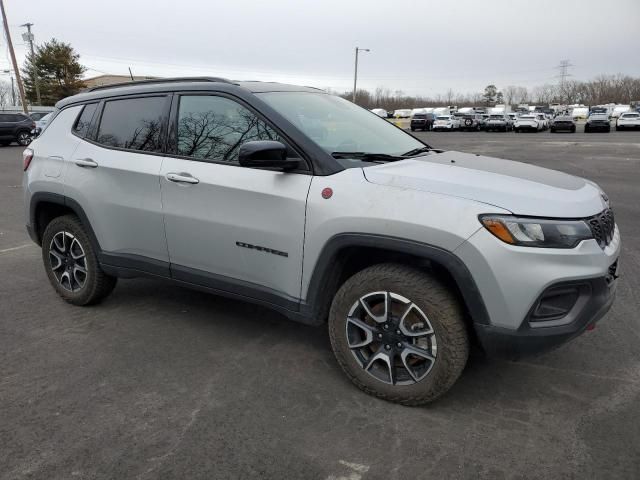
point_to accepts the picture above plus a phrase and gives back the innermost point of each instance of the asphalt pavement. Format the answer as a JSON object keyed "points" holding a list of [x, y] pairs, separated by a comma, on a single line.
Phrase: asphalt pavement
{"points": [[163, 382]]}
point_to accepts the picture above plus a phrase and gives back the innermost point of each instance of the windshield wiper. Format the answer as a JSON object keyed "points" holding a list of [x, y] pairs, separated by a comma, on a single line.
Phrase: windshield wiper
{"points": [[367, 156], [416, 151]]}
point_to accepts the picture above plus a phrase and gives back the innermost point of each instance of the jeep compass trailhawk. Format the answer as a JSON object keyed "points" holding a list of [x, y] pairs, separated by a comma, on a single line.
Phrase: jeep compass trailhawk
{"points": [[301, 201]]}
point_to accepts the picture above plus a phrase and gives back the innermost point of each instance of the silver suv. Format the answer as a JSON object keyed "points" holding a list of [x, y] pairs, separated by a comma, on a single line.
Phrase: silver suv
{"points": [[300, 201]]}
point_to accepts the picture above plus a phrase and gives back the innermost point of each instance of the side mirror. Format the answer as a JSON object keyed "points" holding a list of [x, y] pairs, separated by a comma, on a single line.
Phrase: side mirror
{"points": [[265, 154]]}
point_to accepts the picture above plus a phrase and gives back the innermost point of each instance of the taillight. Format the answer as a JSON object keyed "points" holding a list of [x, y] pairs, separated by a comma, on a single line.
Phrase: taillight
{"points": [[27, 156]]}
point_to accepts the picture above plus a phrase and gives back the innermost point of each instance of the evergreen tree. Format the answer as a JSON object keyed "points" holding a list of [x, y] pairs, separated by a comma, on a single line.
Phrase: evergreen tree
{"points": [[59, 72]]}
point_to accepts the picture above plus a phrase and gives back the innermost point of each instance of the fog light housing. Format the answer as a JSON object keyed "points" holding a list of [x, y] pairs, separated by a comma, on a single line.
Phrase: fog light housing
{"points": [[555, 303]]}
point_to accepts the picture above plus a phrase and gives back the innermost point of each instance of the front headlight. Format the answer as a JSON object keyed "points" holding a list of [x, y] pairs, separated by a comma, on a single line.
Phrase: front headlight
{"points": [[537, 232]]}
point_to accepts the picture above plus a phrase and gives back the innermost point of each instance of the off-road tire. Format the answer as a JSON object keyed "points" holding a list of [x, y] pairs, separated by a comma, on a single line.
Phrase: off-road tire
{"points": [[437, 301], [97, 284]]}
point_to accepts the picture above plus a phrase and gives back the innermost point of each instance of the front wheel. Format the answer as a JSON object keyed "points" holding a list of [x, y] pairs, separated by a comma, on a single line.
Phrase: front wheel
{"points": [[71, 262], [399, 334]]}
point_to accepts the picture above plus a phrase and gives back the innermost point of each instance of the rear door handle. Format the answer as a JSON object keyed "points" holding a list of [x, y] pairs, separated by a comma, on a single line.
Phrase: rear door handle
{"points": [[182, 178], [86, 162]]}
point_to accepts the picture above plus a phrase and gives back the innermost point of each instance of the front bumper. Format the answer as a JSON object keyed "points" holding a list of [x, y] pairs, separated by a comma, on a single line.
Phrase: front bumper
{"points": [[512, 281], [597, 296]]}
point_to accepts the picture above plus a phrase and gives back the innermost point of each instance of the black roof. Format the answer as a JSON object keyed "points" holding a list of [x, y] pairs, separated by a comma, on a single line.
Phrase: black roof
{"points": [[181, 83]]}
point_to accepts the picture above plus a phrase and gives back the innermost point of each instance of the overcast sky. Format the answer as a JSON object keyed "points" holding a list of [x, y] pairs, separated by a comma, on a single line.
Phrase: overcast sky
{"points": [[419, 47]]}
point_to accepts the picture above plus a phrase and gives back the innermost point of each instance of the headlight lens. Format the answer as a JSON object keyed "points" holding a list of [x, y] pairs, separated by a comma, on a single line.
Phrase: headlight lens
{"points": [[537, 232]]}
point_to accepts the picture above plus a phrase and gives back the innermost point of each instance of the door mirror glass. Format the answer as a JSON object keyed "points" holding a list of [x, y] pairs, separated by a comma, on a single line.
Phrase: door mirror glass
{"points": [[265, 154]]}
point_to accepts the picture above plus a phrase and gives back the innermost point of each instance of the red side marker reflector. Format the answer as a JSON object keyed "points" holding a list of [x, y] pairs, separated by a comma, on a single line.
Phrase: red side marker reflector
{"points": [[591, 327], [327, 193]]}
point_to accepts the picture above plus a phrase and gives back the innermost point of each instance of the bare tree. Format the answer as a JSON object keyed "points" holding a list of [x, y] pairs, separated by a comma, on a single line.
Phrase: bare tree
{"points": [[5, 95]]}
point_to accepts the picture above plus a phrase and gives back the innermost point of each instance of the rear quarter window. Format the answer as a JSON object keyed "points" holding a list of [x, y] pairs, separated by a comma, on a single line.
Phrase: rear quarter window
{"points": [[81, 127]]}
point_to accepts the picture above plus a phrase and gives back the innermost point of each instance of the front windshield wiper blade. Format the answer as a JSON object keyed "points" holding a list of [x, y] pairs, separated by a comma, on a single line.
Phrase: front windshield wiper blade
{"points": [[417, 151], [366, 156]]}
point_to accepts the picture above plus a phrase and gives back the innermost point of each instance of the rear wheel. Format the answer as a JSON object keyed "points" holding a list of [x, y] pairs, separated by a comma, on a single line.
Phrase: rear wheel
{"points": [[71, 263], [399, 334], [24, 138]]}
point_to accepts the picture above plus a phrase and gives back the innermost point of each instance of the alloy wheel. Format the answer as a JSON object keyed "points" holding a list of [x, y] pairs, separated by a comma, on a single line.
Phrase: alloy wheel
{"points": [[68, 261], [391, 338], [24, 139]]}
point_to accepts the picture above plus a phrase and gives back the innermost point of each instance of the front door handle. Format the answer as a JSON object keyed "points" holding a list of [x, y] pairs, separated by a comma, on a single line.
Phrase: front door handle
{"points": [[182, 178], [86, 162]]}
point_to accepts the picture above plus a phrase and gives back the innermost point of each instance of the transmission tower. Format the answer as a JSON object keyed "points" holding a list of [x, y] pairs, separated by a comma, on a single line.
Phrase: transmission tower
{"points": [[564, 73]]}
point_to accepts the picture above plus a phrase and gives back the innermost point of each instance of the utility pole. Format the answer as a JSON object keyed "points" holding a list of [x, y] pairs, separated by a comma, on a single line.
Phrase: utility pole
{"points": [[13, 59], [28, 37], [355, 76]]}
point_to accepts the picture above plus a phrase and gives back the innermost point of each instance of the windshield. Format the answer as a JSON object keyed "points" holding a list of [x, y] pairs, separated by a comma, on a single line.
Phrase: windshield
{"points": [[631, 115], [443, 118], [338, 125], [497, 117], [420, 115]]}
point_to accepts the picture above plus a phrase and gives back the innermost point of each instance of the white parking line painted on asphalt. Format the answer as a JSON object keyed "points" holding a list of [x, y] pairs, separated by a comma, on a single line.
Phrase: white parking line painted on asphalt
{"points": [[19, 247]]}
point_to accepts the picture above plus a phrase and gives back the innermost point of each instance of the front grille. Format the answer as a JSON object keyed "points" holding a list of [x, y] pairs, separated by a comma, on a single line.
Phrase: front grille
{"points": [[602, 227]]}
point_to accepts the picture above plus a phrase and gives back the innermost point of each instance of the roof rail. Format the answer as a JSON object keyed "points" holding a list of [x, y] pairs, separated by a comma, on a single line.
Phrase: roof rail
{"points": [[161, 80]]}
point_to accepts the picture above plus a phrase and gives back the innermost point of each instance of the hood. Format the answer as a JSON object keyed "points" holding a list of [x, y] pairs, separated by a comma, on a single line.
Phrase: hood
{"points": [[518, 187]]}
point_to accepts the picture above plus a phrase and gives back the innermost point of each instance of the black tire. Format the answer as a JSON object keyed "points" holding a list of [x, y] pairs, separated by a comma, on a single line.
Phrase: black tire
{"points": [[5, 143], [443, 311], [23, 138], [96, 285], [573, 129], [608, 130], [413, 129], [618, 128], [586, 129]]}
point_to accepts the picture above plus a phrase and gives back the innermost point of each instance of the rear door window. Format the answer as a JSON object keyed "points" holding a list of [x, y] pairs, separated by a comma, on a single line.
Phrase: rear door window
{"points": [[133, 124]]}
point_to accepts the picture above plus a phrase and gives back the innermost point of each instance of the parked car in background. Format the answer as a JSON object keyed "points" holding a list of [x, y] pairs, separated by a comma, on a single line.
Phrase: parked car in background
{"points": [[578, 113], [38, 115], [446, 122], [483, 120], [563, 123], [16, 127], [628, 121], [543, 120], [381, 112], [530, 123], [44, 121], [422, 121], [619, 110], [498, 122], [597, 123], [470, 121], [402, 113], [600, 110]]}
